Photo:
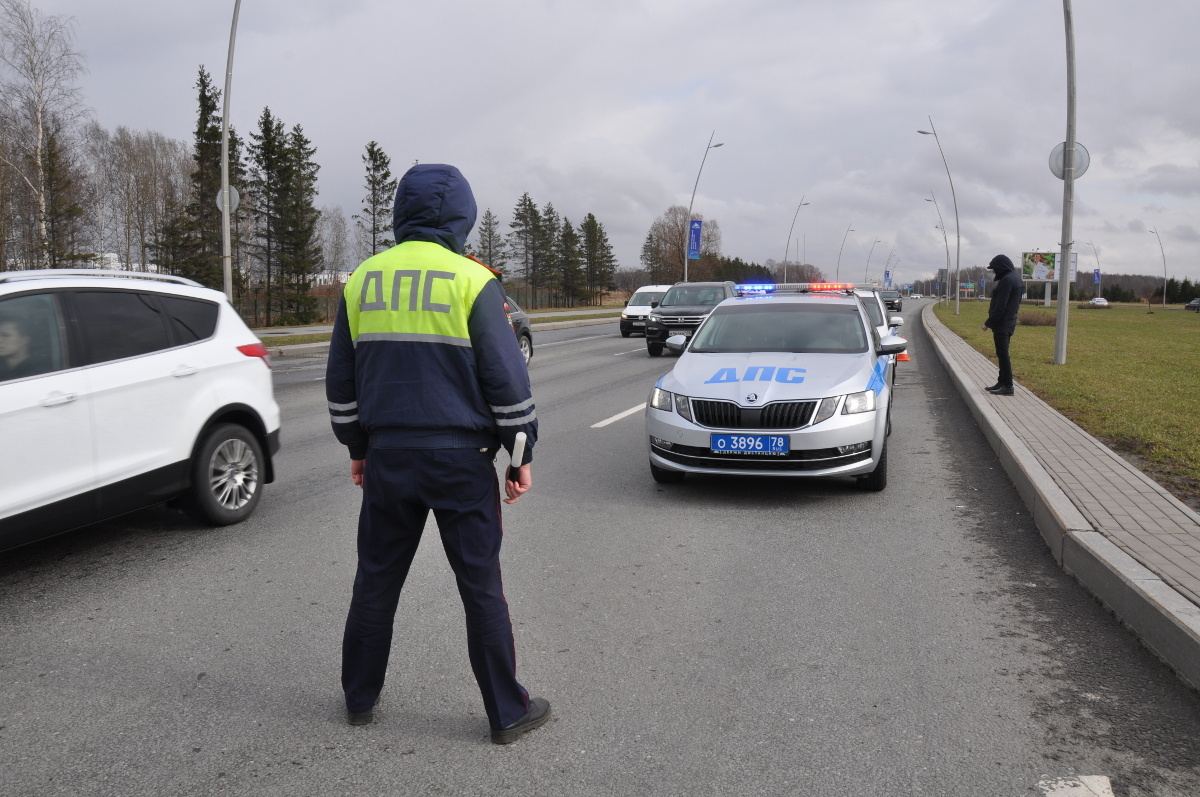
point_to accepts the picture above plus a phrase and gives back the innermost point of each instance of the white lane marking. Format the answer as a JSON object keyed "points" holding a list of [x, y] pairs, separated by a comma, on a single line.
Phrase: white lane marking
{"points": [[1081, 786], [573, 340], [619, 416], [631, 351]]}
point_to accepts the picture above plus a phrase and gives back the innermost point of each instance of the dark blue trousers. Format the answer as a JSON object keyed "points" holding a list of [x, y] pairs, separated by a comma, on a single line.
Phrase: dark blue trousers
{"points": [[399, 489]]}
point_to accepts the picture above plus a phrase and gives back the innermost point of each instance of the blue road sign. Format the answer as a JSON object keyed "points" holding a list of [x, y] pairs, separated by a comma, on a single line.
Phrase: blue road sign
{"points": [[887, 277], [694, 239], [1095, 276]]}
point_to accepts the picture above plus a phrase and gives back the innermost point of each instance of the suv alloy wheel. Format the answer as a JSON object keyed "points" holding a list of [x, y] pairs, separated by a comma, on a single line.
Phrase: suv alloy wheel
{"points": [[226, 475]]}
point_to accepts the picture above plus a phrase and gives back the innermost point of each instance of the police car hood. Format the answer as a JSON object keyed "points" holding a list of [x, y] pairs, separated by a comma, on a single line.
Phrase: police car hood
{"points": [[772, 376], [434, 203]]}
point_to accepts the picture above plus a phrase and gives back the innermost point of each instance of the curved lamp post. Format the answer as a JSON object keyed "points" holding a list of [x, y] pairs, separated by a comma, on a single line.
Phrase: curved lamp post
{"points": [[693, 199], [945, 240], [226, 247], [838, 274], [867, 271], [789, 240], [953, 196], [1164, 257]]}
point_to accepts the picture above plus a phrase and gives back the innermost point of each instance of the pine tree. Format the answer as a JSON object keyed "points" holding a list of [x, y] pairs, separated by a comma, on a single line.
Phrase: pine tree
{"points": [[569, 261], [63, 213], [524, 242], [490, 246], [299, 252], [598, 261], [548, 268], [375, 222], [268, 186]]}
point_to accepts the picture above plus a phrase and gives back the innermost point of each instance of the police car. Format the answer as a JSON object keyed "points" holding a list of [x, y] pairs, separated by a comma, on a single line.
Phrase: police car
{"points": [[780, 383]]}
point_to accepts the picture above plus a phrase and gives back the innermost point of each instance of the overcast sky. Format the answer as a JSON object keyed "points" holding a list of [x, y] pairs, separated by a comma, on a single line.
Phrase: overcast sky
{"points": [[607, 107]]}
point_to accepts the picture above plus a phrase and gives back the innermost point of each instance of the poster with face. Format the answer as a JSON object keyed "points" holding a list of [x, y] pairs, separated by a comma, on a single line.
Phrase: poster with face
{"points": [[1038, 266]]}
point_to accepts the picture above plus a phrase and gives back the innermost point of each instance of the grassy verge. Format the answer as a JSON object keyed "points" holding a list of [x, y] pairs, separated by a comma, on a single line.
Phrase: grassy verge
{"points": [[538, 319], [1131, 379]]}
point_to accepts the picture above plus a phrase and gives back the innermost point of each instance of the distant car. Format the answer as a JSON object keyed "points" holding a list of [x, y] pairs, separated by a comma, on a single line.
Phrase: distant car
{"points": [[1099, 301], [892, 300], [682, 309], [633, 317], [915, 296], [521, 328], [121, 390], [786, 384], [1193, 305]]}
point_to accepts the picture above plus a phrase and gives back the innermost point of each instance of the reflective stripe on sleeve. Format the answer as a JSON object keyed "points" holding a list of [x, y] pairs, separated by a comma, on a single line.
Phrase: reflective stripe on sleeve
{"points": [[353, 405], [524, 405], [344, 418], [516, 421]]}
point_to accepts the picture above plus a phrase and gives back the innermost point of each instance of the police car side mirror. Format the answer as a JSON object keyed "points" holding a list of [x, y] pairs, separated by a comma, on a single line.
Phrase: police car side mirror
{"points": [[677, 343], [896, 321], [653, 305], [892, 344]]}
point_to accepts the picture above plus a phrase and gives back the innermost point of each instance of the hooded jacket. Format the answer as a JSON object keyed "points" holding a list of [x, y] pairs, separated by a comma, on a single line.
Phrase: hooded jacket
{"points": [[1006, 296], [423, 354]]}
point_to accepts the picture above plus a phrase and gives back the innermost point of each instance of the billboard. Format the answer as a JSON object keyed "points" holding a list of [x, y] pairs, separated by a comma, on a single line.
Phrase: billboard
{"points": [[1040, 266]]}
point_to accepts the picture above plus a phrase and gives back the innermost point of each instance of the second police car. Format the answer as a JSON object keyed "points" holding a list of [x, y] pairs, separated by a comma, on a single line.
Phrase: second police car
{"points": [[781, 384]]}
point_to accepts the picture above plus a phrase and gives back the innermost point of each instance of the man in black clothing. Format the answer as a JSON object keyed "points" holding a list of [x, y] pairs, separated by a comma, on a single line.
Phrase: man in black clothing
{"points": [[1002, 318]]}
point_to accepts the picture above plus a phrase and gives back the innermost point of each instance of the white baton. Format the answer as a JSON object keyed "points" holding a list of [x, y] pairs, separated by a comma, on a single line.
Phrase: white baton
{"points": [[518, 454]]}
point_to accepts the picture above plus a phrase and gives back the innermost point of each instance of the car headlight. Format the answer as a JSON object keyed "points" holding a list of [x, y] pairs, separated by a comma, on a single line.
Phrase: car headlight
{"points": [[654, 317], [826, 409], [859, 402], [683, 407], [624, 315], [660, 399]]}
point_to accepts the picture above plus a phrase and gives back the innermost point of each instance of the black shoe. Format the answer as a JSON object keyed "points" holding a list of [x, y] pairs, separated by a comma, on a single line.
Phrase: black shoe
{"points": [[994, 388], [537, 716], [362, 717], [1004, 391]]}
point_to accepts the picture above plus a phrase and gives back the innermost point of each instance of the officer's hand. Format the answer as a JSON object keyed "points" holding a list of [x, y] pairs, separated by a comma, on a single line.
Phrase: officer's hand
{"points": [[515, 489], [357, 468], [985, 327]]}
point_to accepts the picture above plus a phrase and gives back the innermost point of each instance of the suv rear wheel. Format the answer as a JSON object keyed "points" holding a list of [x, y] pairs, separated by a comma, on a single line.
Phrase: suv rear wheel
{"points": [[654, 348], [526, 348], [227, 476]]}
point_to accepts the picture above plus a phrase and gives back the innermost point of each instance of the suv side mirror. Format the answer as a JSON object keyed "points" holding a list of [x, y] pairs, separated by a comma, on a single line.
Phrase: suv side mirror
{"points": [[653, 305], [896, 321], [626, 302]]}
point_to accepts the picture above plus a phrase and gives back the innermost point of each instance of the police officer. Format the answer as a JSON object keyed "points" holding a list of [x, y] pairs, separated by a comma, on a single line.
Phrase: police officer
{"points": [[425, 382]]}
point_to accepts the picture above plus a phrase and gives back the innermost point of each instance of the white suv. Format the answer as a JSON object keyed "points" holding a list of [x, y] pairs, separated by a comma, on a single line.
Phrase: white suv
{"points": [[119, 390]]}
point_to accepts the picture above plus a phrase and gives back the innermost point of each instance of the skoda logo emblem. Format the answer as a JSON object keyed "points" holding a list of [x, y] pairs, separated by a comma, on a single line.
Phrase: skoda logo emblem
{"points": [[753, 397]]}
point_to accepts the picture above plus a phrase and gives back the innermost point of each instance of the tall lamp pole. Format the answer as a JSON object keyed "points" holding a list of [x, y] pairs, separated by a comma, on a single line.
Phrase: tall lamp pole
{"points": [[1164, 257], [942, 226], [693, 199], [867, 271], [954, 197], [226, 247], [838, 274], [789, 240], [1064, 264]]}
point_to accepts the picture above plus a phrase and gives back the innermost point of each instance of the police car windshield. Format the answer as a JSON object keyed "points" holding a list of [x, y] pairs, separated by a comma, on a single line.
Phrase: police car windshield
{"points": [[643, 298], [873, 310], [694, 296], [792, 327]]}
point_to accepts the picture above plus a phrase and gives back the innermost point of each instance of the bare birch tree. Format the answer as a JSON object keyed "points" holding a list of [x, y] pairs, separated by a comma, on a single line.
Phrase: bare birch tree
{"points": [[38, 87]]}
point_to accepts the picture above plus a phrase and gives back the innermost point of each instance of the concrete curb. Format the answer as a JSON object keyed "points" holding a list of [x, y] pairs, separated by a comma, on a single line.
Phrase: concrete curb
{"points": [[587, 322], [1165, 621]]}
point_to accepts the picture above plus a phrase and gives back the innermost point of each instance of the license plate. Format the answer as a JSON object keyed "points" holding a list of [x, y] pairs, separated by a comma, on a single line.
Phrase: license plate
{"points": [[639, 323], [771, 445]]}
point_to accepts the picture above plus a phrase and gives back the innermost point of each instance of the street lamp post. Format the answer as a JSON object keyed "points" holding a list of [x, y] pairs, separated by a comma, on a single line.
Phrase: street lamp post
{"points": [[1164, 257], [954, 197], [789, 240], [226, 246], [867, 270], [1068, 214], [942, 226], [688, 223], [838, 274]]}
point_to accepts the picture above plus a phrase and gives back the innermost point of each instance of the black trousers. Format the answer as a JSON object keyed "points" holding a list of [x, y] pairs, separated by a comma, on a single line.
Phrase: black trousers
{"points": [[1002, 338], [399, 489]]}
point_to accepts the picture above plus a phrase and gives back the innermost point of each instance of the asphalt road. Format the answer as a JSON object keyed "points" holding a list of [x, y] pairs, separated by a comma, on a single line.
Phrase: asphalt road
{"points": [[716, 637]]}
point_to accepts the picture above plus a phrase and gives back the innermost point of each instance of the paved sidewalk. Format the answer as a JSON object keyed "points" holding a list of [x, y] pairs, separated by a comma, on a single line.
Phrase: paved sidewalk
{"points": [[1097, 512]]}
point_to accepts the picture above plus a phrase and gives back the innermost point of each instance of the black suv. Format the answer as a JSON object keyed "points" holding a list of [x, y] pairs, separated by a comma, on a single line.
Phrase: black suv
{"points": [[891, 299], [683, 309]]}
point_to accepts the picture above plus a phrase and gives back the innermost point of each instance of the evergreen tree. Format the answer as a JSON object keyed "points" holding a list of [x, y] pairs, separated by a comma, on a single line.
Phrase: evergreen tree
{"points": [[598, 261], [375, 222], [299, 250], [549, 270], [64, 215], [268, 185], [524, 242], [490, 246], [653, 257], [569, 261]]}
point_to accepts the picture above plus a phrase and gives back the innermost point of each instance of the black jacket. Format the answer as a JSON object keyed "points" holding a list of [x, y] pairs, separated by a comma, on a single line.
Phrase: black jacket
{"points": [[1006, 296]]}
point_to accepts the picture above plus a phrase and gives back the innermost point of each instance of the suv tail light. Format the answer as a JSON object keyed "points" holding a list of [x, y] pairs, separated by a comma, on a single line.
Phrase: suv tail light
{"points": [[256, 350]]}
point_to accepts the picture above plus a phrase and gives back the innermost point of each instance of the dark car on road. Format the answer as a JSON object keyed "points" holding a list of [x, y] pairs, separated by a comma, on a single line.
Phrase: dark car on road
{"points": [[683, 309], [521, 328], [892, 300], [1193, 305]]}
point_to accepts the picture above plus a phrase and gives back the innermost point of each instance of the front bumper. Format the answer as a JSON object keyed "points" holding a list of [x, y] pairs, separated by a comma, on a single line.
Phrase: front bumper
{"points": [[636, 324], [660, 331], [676, 444]]}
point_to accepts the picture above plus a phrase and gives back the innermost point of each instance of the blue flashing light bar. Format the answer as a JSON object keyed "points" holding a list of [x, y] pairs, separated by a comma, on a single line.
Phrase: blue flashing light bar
{"points": [[754, 288]]}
